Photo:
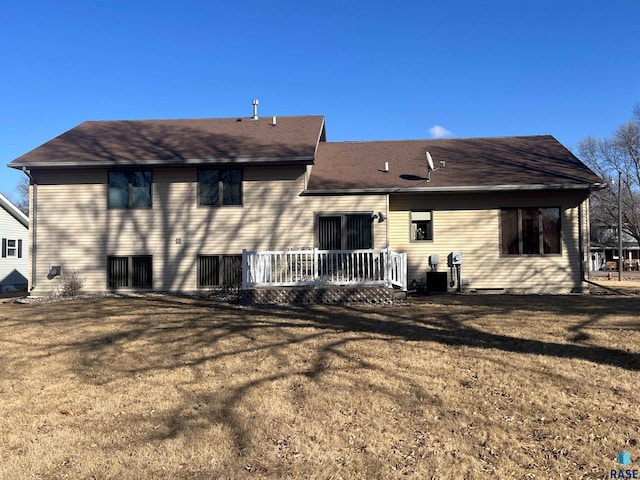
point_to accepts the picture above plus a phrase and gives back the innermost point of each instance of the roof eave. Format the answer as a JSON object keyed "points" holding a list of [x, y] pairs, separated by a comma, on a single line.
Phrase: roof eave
{"points": [[459, 189], [302, 160]]}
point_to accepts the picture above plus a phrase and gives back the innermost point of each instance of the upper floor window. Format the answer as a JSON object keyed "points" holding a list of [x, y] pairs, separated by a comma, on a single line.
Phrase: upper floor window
{"points": [[220, 186], [130, 189], [421, 225], [530, 231]]}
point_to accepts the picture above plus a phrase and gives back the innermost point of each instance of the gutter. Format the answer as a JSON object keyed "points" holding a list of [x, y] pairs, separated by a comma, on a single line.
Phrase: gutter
{"points": [[462, 189], [300, 160], [581, 242]]}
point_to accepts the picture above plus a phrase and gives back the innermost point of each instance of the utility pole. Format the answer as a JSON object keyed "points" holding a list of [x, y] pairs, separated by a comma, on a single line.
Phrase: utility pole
{"points": [[620, 262]]}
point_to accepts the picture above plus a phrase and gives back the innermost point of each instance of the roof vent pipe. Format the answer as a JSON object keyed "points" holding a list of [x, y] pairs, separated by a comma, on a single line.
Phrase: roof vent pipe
{"points": [[273, 121], [255, 109]]}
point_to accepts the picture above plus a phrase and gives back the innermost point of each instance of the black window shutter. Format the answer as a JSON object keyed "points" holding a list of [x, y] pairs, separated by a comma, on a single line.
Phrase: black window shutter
{"points": [[19, 248], [4, 248]]}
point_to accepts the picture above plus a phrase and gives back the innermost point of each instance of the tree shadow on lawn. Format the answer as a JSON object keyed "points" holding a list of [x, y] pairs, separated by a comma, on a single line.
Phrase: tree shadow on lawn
{"points": [[446, 320], [173, 333], [452, 329]]}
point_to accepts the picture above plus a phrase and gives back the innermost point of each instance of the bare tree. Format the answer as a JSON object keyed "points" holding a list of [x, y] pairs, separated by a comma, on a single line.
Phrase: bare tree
{"points": [[22, 199], [22, 202], [616, 158]]}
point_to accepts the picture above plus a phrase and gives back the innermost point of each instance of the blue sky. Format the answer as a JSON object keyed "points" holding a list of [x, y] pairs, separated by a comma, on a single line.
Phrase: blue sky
{"points": [[376, 70]]}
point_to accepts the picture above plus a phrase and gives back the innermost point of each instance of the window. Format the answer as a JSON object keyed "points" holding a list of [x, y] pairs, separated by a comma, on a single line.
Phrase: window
{"points": [[11, 248], [530, 231], [134, 271], [219, 270], [130, 189], [345, 231], [220, 187], [421, 226]]}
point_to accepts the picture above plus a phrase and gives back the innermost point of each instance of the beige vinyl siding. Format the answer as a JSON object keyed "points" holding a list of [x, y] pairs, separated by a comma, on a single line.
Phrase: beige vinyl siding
{"points": [[69, 228], [471, 224], [77, 231]]}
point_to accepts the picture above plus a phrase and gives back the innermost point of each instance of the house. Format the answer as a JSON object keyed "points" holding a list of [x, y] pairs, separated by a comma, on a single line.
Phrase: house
{"points": [[604, 249], [171, 205], [14, 232]]}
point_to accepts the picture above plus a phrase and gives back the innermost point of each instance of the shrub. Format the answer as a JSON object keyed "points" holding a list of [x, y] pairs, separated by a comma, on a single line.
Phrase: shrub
{"points": [[72, 283]]}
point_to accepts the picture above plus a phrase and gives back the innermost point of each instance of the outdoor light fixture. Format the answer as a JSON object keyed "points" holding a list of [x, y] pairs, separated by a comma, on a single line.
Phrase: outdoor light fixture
{"points": [[380, 216]]}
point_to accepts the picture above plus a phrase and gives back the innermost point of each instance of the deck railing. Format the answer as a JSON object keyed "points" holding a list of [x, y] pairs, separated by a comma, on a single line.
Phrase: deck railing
{"points": [[314, 267]]}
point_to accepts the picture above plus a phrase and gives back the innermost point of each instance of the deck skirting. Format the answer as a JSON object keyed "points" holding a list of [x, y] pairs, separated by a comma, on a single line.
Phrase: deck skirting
{"points": [[335, 295]]}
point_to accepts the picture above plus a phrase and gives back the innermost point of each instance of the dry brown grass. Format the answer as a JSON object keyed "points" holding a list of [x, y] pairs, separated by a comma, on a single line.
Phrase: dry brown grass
{"points": [[448, 387]]}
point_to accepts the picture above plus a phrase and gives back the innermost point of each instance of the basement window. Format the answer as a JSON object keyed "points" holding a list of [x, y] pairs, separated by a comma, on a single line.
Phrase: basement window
{"points": [[130, 271], [220, 270]]}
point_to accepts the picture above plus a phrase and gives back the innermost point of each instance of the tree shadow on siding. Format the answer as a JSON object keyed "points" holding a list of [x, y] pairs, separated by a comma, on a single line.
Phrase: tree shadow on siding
{"points": [[176, 229]]}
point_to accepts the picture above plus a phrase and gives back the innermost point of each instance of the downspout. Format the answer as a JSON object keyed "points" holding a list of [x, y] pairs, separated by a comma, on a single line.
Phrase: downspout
{"points": [[387, 213], [33, 225], [581, 241]]}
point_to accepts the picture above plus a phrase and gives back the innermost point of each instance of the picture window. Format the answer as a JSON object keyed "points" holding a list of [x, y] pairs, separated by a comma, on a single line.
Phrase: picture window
{"points": [[530, 231]]}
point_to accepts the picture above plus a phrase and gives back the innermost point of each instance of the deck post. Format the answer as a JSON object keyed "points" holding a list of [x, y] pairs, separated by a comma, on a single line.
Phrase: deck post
{"points": [[404, 271], [387, 273], [315, 267]]}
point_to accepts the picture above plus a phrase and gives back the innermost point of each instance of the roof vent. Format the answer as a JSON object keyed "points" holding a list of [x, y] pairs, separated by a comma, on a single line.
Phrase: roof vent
{"points": [[255, 109], [273, 121]]}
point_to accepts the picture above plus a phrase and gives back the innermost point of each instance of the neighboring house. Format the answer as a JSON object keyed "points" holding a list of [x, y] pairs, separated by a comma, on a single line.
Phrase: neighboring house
{"points": [[170, 205], [14, 233], [604, 249]]}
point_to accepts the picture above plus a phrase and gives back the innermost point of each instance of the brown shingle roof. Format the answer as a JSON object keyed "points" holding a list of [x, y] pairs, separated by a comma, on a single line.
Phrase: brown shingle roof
{"points": [[107, 143], [477, 163]]}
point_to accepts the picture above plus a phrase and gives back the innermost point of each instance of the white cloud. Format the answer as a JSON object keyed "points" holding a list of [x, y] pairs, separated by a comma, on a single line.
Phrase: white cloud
{"points": [[439, 132]]}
